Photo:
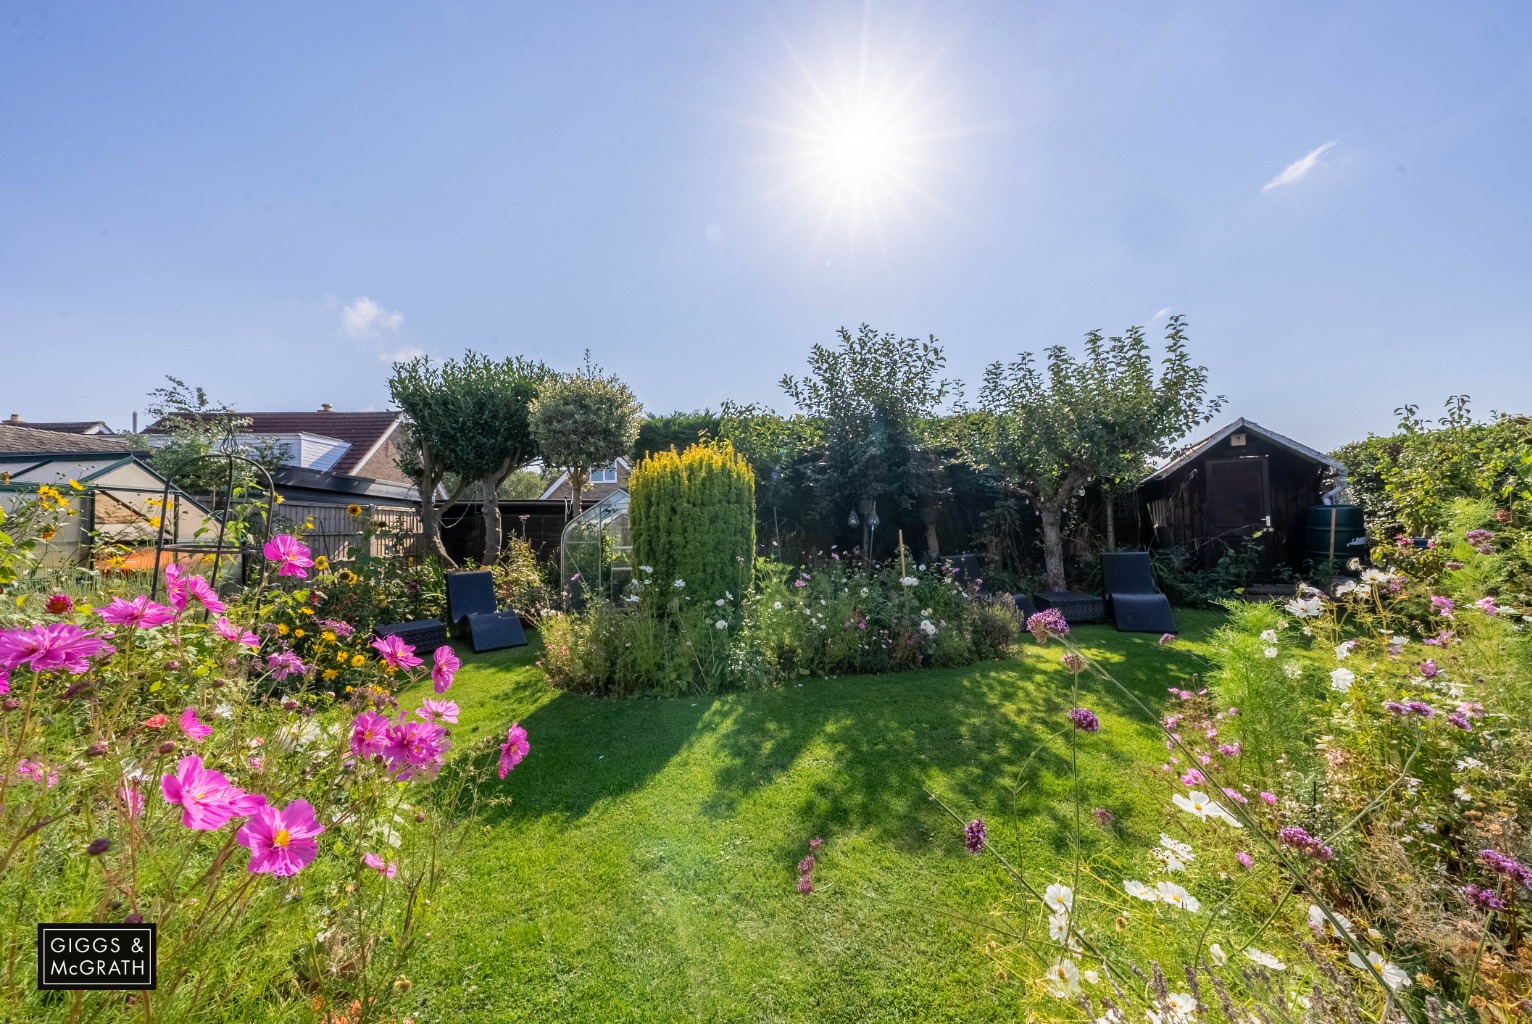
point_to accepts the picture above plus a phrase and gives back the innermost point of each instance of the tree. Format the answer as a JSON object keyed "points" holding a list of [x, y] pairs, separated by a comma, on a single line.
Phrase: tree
{"points": [[188, 427], [679, 430], [470, 424], [1047, 434], [435, 418], [873, 397], [583, 419]]}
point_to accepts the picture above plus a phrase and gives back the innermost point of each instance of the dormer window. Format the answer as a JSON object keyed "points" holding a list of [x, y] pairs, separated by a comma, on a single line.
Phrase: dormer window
{"points": [[605, 475]]}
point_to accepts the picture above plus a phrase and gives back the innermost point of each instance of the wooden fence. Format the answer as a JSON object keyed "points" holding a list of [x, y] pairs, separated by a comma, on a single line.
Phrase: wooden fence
{"points": [[332, 531]]}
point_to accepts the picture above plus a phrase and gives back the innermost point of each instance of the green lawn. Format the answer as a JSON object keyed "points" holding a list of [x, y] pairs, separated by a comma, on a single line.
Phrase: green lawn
{"points": [[645, 866]]}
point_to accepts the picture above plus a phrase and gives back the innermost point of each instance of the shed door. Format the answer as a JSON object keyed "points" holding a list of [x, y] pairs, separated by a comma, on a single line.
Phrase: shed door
{"points": [[1239, 501]]}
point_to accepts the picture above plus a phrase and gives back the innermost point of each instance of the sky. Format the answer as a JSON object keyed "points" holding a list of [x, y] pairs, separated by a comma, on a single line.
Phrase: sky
{"points": [[275, 200]]}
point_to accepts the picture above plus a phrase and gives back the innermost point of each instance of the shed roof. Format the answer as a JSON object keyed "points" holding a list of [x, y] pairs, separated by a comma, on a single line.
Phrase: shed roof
{"points": [[1198, 448], [18, 440]]}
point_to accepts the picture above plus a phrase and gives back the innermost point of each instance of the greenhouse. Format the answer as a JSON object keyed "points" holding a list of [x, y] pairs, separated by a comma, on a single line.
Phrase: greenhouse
{"points": [[596, 551]]}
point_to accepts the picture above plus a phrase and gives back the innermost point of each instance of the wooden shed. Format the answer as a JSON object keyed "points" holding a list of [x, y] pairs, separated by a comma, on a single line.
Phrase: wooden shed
{"points": [[1241, 481]]}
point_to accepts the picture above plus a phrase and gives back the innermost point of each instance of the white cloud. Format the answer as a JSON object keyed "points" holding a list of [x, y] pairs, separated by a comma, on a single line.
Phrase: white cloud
{"points": [[1299, 169], [1162, 314], [404, 355], [366, 318]]}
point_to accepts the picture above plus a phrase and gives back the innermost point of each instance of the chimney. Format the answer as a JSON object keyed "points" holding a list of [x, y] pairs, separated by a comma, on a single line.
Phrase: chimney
{"points": [[326, 407], [15, 417]]}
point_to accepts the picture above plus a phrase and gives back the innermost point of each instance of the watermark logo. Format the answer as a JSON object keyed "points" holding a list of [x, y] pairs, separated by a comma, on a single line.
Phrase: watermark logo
{"points": [[95, 956]]}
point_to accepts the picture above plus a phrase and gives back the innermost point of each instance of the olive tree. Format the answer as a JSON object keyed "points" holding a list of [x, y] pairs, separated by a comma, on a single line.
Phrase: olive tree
{"points": [[584, 419], [872, 398], [1048, 431]]}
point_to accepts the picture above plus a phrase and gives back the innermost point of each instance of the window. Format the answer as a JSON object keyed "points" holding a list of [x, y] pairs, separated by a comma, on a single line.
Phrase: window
{"points": [[604, 475]]}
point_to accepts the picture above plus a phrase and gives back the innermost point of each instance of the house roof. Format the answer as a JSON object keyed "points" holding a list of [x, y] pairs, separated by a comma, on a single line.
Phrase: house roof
{"points": [[563, 477], [1198, 448], [18, 440], [364, 431], [68, 427]]}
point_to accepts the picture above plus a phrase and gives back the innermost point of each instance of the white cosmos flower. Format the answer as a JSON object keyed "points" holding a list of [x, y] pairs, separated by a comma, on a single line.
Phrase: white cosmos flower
{"points": [[1270, 652], [1342, 651], [911, 581], [646, 568], [777, 605], [1063, 979], [1204, 807], [1462, 794], [1464, 764], [1175, 846], [1140, 890], [1182, 1005], [1341, 680], [1168, 860], [679, 584], [1264, 959], [225, 711], [1217, 955], [1173, 894], [1394, 976], [1346, 588], [1269, 636], [1059, 898], [1321, 924], [1305, 607], [927, 628], [1112, 1016], [1058, 927], [1090, 976]]}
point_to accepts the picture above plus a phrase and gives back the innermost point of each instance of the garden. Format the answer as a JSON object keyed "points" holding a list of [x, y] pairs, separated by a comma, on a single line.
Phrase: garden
{"points": [[781, 759]]}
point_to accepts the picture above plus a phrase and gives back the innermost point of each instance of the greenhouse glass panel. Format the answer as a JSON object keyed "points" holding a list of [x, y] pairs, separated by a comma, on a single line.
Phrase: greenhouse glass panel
{"points": [[596, 552]]}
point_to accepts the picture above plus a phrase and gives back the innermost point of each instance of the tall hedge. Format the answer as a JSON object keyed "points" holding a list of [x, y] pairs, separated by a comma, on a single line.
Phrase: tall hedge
{"points": [[692, 517]]}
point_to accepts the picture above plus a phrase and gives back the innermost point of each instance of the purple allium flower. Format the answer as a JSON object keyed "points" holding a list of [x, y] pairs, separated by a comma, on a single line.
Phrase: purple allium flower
{"points": [[1419, 707], [1084, 719], [1486, 898], [1103, 817], [1046, 623], [1074, 663], [1245, 859], [806, 865], [1300, 839], [816, 843], [973, 836], [1166, 638], [1460, 720], [805, 885]]}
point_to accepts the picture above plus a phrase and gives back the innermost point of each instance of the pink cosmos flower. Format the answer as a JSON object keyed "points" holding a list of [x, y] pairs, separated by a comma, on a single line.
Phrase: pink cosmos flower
{"points": [[59, 604], [369, 734], [285, 663], [202, 590], [445, 710], [194, 730], [131, 799], [1442, 606], [397, 654], [139, 612], [207, 798], [290, 554], [34, 771], [514, 748], [1487, 606], [388, 869], [1268, 798], [231, 633], [281, 842], [5, 679], [444, 666], [415, 748], [57, 645]]}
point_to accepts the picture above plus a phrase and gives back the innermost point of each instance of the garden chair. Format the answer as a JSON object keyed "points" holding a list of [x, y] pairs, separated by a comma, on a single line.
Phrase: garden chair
{"points": [[473, 612], [1137, 604]]}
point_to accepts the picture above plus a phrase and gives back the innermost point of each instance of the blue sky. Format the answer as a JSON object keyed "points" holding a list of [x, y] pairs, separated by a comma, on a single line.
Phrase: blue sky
{"points": [[270, 200]]}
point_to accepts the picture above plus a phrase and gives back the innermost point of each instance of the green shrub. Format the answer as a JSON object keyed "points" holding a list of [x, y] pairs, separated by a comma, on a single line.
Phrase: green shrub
{"points": [[692, 517]]}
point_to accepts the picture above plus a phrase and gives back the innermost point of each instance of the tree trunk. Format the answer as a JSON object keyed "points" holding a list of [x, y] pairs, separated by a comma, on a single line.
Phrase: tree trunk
{"points": [[576, 488], [489, 507], [1053, 544], [430, 517], [933, 550], [1111, 523]]}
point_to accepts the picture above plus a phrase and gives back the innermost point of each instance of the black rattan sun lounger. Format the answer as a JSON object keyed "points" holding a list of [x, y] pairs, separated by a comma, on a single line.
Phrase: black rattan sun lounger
{"points": [[472, 610], [1137, 604]]}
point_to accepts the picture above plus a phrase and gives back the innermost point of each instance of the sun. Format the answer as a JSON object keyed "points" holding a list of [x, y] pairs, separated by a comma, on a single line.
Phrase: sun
{"points": [[863, 150]]}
